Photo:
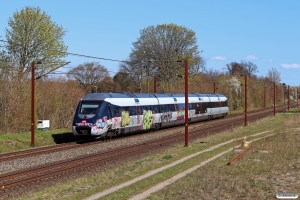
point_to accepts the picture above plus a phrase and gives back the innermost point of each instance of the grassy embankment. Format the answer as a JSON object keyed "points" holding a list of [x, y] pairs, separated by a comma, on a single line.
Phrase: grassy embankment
{"points": [[14, 142], [272, 166]]}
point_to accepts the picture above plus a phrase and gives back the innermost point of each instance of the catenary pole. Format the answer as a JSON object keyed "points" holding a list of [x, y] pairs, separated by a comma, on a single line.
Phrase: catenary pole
{"points": [[274, 99], [154, 84], [214, 88], [288, 97], [32, 103], [246, 100], [186, 102]]}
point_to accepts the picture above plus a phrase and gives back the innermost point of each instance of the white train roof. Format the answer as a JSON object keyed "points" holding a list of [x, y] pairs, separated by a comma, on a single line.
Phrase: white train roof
{"points": [[131, 99]]}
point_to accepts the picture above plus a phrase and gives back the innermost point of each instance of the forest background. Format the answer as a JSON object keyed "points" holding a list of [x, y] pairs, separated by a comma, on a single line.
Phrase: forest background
{"points": [[152, 65]]}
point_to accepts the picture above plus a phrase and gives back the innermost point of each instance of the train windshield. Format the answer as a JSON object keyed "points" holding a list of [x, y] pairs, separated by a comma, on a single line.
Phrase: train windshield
{"points": [[89, 107]]}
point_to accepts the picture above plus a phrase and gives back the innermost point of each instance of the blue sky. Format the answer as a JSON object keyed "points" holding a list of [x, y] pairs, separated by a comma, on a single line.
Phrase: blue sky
{"points": [[266, 33]]}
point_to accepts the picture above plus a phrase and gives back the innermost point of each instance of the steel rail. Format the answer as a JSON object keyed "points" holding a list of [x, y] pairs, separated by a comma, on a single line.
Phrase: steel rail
{"points": [[75, 164], [66, 146]]}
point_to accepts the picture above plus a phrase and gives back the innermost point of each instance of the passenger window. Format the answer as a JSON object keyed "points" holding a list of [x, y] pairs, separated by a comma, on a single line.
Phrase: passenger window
{"points": [[132, 110], [181, 106], [156, 109], [117, 111]]}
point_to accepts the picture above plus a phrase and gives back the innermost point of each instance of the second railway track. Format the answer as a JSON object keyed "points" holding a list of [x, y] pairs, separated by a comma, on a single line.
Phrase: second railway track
{"points": [[27, 176]]}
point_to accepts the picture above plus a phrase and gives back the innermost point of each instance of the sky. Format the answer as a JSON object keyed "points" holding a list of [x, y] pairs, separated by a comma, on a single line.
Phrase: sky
{"points": [[266, 33]]}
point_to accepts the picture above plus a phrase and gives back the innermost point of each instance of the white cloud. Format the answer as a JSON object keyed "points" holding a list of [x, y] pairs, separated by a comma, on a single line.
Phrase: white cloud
{"points": [[270, 61], [219, 58], [290, 66], [251, 57]]}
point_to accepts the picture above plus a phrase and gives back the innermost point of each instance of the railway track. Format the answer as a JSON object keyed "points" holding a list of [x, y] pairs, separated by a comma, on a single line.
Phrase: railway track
{"points": [[10, 181], [79, 144]]}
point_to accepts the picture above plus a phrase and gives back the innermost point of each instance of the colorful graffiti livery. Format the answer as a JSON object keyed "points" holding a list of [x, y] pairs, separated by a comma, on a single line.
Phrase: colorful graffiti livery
{"points": [[166, 117], [147, 123], [113, 114], [180, 115], [125, 118]]}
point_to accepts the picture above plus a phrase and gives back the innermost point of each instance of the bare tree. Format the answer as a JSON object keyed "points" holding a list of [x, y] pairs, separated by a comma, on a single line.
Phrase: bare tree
{"points": [[136, 73], [235, 68], [250, 67], [123, 80], [106, 85], [88, 74], [246, 68], [213, 74], [273, 75]]}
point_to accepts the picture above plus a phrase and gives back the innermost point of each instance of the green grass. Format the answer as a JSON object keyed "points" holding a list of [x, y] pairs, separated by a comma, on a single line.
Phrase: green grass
{"points": [[256, 175], [220, 180], [14, 142]]}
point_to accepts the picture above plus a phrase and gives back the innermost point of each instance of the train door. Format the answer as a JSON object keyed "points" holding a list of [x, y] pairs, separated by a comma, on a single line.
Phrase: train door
{"points": [[198, 108]]}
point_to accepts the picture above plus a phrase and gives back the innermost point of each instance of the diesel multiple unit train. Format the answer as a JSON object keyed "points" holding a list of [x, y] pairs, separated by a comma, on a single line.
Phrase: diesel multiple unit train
{"points": [[112, 114]]}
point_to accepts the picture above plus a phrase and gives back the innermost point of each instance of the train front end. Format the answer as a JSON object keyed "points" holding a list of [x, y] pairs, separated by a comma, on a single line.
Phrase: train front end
{"points": [[91, 118]]}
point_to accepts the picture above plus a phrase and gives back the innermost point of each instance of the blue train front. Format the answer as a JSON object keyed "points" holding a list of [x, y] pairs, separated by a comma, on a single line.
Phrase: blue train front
{"points": [[112, 114], [91, 116]]}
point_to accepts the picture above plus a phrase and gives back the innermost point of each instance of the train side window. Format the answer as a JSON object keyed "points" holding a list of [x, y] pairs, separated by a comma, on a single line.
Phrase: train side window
{"points": [[139, 110], [132, 110], [151, 107], [142, 109], [117, 111], [160, 108], [204, 106], [176, 106], [170, 107], [173, 106], [147, 108], [125, 109], [224, 103], [164, 108], [112, 110], [181, 106], [196, 107], [193, 106], [156, 108], [202, 110]]}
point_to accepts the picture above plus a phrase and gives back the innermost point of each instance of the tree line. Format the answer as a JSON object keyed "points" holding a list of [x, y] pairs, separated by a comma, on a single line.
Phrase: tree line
{"points": [[156, 57]]}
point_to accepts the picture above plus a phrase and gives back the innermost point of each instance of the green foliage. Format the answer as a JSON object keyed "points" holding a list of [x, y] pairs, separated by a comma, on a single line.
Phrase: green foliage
{"points": [[34, 37], [163, 45]]}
